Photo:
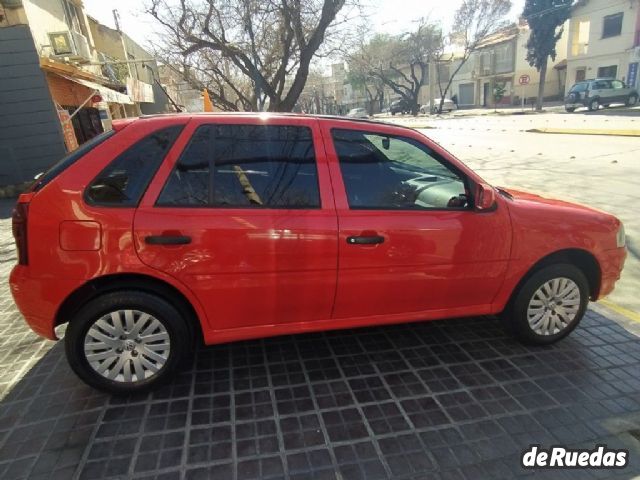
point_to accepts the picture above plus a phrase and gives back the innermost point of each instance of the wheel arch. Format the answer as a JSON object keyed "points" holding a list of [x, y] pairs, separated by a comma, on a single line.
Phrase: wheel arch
{"points": [[582, 259], [128, 281]]}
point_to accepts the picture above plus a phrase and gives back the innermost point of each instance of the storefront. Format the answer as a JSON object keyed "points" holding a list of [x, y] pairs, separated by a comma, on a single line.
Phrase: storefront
{"points": [[84, 107]]}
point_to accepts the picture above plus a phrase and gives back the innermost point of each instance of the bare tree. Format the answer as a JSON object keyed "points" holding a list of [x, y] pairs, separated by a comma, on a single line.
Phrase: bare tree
{"points": [[248, 53], [474, 21], [361, 61], [401, 62]]}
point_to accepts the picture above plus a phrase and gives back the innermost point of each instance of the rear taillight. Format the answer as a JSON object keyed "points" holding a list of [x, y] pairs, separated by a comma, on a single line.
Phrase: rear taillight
{"points": [[19, 224]]}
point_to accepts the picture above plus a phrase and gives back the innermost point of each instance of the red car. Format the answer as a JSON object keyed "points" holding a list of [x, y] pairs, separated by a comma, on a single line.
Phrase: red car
{"points": [[221, 227]]}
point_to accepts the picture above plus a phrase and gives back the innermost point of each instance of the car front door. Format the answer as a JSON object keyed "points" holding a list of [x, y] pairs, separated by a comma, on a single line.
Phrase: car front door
{"points": [[241, 212], [409, 239]]}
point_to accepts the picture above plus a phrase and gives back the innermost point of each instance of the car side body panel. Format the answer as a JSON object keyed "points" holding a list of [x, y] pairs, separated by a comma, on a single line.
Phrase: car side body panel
{"points": [[542, 227], [263, 272]]}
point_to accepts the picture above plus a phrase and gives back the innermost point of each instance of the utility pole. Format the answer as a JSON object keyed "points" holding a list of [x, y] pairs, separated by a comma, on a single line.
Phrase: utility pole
{"points": [[116, 19]]}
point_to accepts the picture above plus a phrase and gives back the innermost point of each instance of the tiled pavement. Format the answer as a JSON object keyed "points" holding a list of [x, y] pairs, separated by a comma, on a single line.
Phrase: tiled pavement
{"points": [[454, 399]]}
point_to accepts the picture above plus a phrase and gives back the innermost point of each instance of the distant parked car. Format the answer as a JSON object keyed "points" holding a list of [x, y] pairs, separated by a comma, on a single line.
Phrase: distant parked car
{"points": [[399, 106], [600, 91], [447, 106], [358, 113]]}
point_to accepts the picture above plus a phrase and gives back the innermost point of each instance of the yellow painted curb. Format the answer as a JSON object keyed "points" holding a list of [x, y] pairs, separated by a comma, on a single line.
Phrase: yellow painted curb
{"points": [[586, 131], [625, 312]]}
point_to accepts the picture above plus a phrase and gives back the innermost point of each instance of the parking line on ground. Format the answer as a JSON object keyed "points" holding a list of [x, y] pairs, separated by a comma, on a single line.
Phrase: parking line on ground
{"points": [[625, 312]]}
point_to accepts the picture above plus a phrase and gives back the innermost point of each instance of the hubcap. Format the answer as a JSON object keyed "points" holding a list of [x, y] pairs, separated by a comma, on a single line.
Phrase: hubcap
{"points": [[553, 306], [127, 346]]}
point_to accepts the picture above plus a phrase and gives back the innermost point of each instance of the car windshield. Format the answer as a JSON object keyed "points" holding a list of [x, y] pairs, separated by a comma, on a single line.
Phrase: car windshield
{"points": [[579, 87]]}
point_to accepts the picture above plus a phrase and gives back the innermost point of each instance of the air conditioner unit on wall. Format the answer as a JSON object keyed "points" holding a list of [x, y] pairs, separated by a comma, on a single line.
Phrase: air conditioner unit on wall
{"points": [[71, 45]]}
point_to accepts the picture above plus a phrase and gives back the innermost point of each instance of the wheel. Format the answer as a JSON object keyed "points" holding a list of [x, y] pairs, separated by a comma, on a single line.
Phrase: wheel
{"points": [[594, 105], [606, 105], [127, 341], [632, 100], [570, 109], [393, 113], [548, 305]]}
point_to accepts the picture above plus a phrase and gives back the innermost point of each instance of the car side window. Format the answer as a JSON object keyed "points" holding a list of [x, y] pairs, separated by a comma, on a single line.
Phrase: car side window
{"points": [[123, 182], [245, 166], [391, 172], [617, 85]]}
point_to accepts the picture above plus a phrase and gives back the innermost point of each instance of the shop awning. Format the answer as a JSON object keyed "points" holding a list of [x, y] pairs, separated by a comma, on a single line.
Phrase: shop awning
{"points": [[107, 94]]}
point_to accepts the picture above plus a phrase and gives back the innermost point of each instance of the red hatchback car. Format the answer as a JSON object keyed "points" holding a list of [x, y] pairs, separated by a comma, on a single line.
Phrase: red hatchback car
{"points": [[226, 227]]}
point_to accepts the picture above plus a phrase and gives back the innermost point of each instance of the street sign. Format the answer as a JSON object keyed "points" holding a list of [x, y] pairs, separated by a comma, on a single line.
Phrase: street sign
{"points": [[524, 79]]}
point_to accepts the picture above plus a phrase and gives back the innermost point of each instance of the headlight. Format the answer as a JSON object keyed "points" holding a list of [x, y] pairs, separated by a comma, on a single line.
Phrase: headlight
{"points": [[620, 237]]}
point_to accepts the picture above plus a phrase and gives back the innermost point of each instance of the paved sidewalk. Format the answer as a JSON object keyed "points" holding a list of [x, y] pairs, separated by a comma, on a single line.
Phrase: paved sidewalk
{"points": [[444, 400]]}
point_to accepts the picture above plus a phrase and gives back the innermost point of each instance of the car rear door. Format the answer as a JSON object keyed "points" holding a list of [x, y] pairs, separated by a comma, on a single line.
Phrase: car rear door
{"points": [[243, 215], [408, 244]]}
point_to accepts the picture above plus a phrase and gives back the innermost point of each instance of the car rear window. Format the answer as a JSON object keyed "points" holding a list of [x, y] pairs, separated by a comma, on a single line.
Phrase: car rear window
{"points": [[69, 159], [123, 182]]}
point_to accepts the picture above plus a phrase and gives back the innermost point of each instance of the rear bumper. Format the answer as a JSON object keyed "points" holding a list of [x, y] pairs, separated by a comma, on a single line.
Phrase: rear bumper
{"points": [[39, 299], [611, 264]]}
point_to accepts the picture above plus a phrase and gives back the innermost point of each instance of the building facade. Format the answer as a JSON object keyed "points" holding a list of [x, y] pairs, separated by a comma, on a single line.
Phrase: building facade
{"points": [[78, 59], [604, 41], [501, 60], [179, 90]]}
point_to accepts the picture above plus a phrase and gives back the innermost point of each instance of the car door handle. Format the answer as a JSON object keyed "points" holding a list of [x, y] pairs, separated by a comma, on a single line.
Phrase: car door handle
{"points": [[167, 240], [365, 240]]}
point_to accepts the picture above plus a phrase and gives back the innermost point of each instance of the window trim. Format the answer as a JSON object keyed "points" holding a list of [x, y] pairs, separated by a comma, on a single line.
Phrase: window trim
{"points": [[157, 204], [85, 194], [609, 17], [440, 158]]}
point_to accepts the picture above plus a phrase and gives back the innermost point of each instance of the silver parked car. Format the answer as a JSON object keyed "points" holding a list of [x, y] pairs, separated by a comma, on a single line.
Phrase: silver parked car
{"points": [[447, 106], [600, 91], [358, 113]]}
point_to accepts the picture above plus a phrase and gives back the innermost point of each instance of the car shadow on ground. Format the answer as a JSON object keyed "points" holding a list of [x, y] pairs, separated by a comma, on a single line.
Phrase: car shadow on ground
{"points": [[445, 399]]}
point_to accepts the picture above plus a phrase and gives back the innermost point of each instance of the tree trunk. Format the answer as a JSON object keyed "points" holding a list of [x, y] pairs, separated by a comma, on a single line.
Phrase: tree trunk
{"points": [[543, 74]]}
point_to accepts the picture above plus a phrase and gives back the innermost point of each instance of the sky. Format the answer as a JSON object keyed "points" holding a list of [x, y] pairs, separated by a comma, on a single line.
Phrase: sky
{"points": [[386, 16]]}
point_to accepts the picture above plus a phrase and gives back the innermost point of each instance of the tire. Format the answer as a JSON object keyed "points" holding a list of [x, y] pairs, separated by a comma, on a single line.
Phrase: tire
{"points": [[594, 105], [139, 364], [570, 109], [528, 302], [632, 100]]}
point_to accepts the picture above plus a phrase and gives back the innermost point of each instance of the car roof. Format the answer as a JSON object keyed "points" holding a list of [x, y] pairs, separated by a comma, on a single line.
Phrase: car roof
{"points": [[595, 79], [263, 115]]}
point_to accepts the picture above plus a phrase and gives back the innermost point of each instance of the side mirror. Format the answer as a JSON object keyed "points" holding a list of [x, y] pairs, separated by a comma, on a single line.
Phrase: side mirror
{"points": [[485, 197]]}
